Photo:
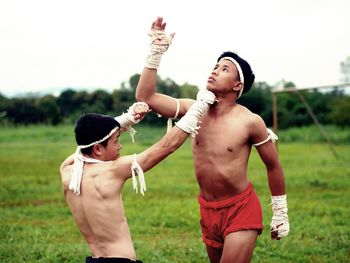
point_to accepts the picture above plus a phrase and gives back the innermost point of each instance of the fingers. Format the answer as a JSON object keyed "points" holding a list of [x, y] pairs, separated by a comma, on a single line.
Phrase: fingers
{"points": [[274, 232], [274, 235], [158, 24]]}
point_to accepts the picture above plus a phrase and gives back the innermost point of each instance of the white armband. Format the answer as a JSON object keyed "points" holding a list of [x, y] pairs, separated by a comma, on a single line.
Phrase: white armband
{"points": [[170, 120], [272, 136]]}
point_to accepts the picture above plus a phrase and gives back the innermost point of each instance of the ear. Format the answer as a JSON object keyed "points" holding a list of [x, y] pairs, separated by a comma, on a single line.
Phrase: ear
{"points": [[97, 149], [237, 86]]}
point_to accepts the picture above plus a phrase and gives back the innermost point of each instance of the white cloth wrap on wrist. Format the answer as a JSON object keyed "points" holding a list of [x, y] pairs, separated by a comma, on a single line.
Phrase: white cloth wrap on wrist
{"points": [[189, 122], [160, 43], [279, 220], [126, 120]]}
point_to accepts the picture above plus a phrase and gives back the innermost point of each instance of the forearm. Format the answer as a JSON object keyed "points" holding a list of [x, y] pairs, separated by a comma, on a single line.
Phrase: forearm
{"points": [[279, 223], [276, 180], [159, 103], [146, 87]]}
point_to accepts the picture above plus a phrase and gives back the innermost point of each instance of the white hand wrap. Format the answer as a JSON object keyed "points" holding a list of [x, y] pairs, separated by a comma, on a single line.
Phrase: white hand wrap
{"points": [[279, 223], [189, 122], [126, 120], [160, 43]]}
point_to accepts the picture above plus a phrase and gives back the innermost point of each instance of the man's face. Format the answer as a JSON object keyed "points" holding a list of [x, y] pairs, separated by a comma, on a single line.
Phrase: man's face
{"points": [[223, 77], [111, 151]]}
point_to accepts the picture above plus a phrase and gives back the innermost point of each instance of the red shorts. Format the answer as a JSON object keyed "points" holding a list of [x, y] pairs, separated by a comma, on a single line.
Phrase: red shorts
{"points": [[219, 218]]}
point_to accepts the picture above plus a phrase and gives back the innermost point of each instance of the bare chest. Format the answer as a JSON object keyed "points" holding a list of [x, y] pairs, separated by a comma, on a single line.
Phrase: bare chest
{"points": [[225, 136]]}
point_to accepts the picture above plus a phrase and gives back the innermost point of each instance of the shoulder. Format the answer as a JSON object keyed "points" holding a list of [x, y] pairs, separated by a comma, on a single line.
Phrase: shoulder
{"points": [[253, 123], [65, 171], [66, 164], [68, 161], [121, 167], [250, 119]]}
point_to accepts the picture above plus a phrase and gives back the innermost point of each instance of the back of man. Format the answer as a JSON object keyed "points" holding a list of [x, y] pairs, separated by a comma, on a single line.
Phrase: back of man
{"points": [[99, 212]]}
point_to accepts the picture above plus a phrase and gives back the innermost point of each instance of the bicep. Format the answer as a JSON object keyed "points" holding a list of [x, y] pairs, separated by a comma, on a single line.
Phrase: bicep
{"points": [[168, 106], [268, 154], [265, 147]]}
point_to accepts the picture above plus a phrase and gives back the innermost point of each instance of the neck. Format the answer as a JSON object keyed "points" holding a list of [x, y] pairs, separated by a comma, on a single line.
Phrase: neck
{"points": [[90, 158], [223, 106]]}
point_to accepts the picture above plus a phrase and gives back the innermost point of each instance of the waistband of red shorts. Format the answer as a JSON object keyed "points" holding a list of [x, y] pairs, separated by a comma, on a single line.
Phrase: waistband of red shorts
{"points": [[227, 202]]}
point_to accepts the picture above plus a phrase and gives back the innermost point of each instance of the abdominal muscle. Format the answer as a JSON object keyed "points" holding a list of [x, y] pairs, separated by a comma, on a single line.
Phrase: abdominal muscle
{"points": [[220, 173]]}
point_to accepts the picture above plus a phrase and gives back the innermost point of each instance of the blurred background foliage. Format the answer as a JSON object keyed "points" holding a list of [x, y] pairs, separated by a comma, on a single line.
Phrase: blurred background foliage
{"points": [[330, 108]]}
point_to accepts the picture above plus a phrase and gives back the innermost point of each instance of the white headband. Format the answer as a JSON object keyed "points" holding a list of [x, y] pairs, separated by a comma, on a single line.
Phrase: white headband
{"points": [[99, 141], [240, 73]]}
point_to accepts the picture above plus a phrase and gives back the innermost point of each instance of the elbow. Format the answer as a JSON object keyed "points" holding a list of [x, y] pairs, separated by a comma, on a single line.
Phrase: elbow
{"points": [[139, 97], [142, 96]]}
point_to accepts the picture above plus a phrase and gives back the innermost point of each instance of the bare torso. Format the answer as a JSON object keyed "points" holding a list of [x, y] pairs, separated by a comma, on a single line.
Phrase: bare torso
{"points": [[98, 211], [221, 151]]}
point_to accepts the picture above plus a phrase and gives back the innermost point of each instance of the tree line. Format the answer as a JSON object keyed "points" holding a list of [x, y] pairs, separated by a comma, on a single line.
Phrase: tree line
{"points": [[330, 108]]}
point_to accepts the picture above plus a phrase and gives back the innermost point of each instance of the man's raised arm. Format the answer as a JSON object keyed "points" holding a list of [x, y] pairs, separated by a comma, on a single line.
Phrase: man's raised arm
{"points": [[146, 88]]}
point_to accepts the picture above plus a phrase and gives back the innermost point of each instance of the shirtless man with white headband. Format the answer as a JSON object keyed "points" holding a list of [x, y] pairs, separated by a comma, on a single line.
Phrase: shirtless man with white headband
{"points": [[93, 177], [231, 214]]}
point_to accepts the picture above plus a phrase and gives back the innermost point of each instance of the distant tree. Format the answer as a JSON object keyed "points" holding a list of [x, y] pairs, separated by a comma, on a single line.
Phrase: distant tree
{"points": [[4, 102], [24, 111], [259, 101], [81, 100], [133, 81], [66, 103], [340, 109], [345, 70], [50, 112], [100, 101], [188, 91], [169, 87]]}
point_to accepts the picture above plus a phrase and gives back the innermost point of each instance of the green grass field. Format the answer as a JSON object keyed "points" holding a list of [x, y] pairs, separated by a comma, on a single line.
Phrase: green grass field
{"points": [[36, 224]]}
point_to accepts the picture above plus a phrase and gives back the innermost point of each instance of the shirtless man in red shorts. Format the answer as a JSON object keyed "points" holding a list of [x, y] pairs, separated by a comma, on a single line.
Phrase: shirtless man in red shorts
{"points": [[231, 215]]}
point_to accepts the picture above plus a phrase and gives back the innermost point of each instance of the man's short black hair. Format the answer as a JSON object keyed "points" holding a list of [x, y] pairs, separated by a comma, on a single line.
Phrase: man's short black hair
{"points": [[248, 74], [92, 127]]}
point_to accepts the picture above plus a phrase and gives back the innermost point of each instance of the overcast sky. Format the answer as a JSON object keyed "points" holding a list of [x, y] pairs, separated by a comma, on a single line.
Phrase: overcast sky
{"points": [[46, 44]]}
